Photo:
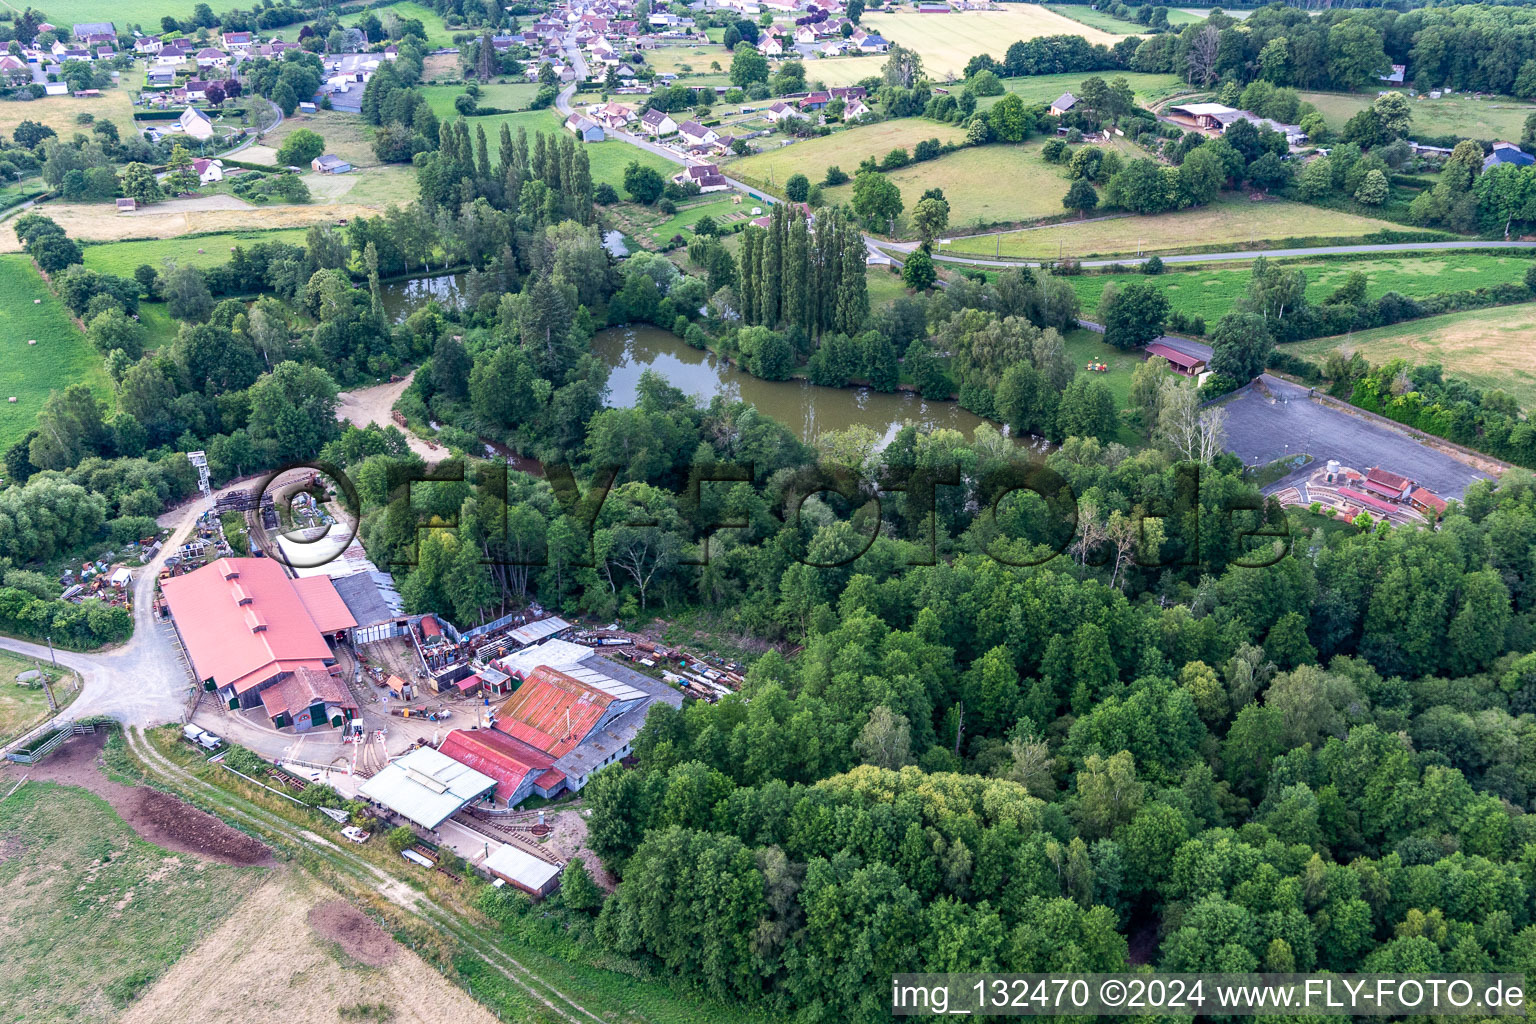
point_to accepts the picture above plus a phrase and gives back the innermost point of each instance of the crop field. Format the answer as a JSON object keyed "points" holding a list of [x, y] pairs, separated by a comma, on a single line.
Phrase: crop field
{"points": [[1496, 117], [1231, 221], [22, 707], [972, 182], [122, 258], [946, 42], [62, 355], [96, 222], [1211, 292], [93, 913], [277, 959], [1148, 87], [840, 149], [60, 112], [1488, 347]]}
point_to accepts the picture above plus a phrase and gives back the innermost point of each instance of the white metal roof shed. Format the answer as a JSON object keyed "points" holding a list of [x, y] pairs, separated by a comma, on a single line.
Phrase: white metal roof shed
{"points": [[523, 870], [536, 631], [426, 786]]}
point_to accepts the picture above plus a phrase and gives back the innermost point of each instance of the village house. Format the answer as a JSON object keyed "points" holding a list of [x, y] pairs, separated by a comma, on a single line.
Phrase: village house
{"points": [[706, 176], [208, 57], [770, 46], [657, 124], [208, 171], [237, 41], [584, 128], [1063, 104], [783, 111], [14, 70], [695, 134], [196, 124], [330, 163]]}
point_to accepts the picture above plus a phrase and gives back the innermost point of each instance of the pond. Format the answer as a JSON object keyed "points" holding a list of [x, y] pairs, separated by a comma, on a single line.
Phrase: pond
{"points": [[805, 408]]}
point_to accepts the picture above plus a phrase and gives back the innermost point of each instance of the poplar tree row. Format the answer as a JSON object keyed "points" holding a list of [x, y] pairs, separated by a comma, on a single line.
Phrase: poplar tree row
{"points": [[799, 275], [549, 181]]}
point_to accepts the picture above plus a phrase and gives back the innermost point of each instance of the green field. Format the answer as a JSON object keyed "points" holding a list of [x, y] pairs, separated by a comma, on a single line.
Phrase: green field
{"points": [[93, 913], [840, 149], [1102, 20], [970, 179], [122, 13], [60, 358], [1489, 347], [22, 707], [1231, 221], [723, 210], [1149, 88], [840, 71], [1084, 347], [512, 96], [947, 42], [61, 113], [885, 286], [122, 258], [1496, 117], [687, 59], [1211, 292]]}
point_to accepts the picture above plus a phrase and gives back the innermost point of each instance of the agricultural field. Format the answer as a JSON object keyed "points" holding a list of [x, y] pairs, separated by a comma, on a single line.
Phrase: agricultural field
{"points": [[292, 951], [946, 42], [1210, 292], [346, 135], [97, 222], [1149, 88], [122, 258], [1496, 117], [1088, 15], [842, 149], [1230, 221], [1488, 347], [122, 13], [970, 179], [94, 913], [841, 71], [23, 707], [683, 59], [60, 112], [61, 357]]}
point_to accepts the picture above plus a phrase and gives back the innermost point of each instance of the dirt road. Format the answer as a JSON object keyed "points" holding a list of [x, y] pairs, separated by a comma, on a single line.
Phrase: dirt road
{"points": [[372, 405]]}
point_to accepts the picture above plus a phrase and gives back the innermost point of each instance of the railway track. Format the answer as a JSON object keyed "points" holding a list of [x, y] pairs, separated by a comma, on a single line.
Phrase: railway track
{"points": [[278, 830]]}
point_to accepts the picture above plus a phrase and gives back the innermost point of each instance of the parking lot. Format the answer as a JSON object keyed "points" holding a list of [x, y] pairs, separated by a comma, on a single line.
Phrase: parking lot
{"points": [[1260, 430]]}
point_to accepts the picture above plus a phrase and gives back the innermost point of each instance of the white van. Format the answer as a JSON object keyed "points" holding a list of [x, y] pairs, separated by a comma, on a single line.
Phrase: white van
{"points": [[206, 740]]}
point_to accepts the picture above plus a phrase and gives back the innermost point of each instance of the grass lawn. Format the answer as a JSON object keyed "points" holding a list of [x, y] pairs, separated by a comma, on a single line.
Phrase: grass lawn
{"points": [[1488, 347], [885, 286], [1102, 20], [512, 96], [687, 59], [159, 328], [841, 149], [970, 177], [946, 42], [122, 258], [1149, 88], [23, 707], [95, 914], [1211, 292], [1231, 221], [723, 210], [61, 357], [346, 135], [1497, 117], [1084, 347], [59, 112]]}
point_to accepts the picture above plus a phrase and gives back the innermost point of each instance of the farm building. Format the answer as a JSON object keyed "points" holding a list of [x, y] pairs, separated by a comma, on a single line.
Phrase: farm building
{"points": [[330, 163], [1062, 104], [246, 626], [309, 699], [1507, 153], [1183, 362], [427, 787], [525, 871]]}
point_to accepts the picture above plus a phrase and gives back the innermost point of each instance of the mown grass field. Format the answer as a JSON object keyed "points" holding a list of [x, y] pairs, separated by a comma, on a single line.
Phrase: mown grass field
{"points": [[1084, 347], [972, 180], [1211, 292], [511, 96], [885, 286], [22, 707], [122, 13], [122, 258], [1148, 87], [60, 112], [61, 357], [94, 914], [1101, 20], [840, 71], [1489, 347], [840, 149], [688, 59], [1231, 221], [947, 41], [1497, 117]]}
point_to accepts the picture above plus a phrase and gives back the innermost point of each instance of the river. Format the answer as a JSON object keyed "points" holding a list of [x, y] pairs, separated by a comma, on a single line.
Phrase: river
{"points": [[805, 408]]}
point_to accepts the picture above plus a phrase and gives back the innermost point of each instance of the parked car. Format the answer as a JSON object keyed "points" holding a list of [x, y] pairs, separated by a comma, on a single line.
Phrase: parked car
{"points": [[201, 737], [355, 834]]}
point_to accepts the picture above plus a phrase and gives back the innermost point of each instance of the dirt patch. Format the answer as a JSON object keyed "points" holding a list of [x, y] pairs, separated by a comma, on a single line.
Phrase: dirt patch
{"points": [[97, 223], [157, 817], [358, 935]]}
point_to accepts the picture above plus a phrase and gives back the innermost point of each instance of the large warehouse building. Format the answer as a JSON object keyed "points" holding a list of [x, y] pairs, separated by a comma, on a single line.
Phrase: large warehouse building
{"points": [[248, 627]]}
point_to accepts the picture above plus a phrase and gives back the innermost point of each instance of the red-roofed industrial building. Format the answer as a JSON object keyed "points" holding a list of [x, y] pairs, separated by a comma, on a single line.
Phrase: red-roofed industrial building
{"points": [[516, 766], [1366, 501], [1427, 502], [1388, 485], [247, 626], [309, 698], [552, 711]]}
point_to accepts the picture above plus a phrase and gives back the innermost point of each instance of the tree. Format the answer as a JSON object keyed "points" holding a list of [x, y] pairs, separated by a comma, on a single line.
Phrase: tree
{"points": [[299, 148], [1201, 59], [1395, 114], [186, 294], [139, 183], [797, 188], [1268, 172], [1240, 344], [1009, 120], [877, 199], [886, 739], [903, 67], [1373, 191], [917, 272], [1082, 197], [748, 66], [1135, 315], [215, 94], [930, 217], [644, 184], [1191, 433], [400, 838], [180, 177], [577, 890]]}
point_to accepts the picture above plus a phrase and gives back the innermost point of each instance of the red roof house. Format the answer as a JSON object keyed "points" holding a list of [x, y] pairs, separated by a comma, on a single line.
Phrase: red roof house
{"points": [[1182, 361], [1366, 501], [1428, 502], [246, 625], [1388, 484], [308, 698]]}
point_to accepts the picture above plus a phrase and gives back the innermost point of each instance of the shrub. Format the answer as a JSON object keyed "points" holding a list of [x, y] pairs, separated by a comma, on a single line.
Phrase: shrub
{"points": [[1153, 266], [400, 838]]}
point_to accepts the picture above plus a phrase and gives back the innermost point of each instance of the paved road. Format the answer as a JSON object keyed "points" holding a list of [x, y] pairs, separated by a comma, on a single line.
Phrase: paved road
{"points": [[1241, 254]]}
